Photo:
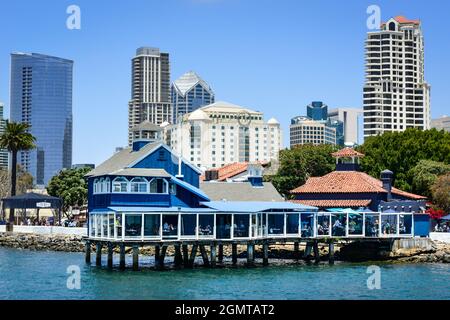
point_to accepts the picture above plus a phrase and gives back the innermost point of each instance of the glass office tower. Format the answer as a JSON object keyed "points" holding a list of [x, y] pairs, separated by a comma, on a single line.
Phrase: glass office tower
{"points": [[3, 153], [317, 111], [41, 95]]}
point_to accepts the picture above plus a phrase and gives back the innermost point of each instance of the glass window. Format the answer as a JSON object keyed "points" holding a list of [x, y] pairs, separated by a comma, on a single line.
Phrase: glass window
{"points": [[372, 225], [111, 225], [133, 225], [188, 224], [139, 185], [388, 224], [275, 223], [152, 224], [98, 223], [206, 225], [241, 225], [355, 224], [292, 223], [405, 226], [323, 224], [170, 225], [338, 222], [158, 185], [92, 225], [120, 184], [118, 224], [307, 223]]}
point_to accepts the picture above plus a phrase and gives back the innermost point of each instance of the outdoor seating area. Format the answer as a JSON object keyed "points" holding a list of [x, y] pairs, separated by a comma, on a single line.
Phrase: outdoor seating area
{"points": [[208, 224]]}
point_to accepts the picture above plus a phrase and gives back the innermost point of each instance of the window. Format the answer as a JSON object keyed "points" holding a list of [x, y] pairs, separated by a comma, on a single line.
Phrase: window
{"points": [[139, 185], [95, 186], [120, 184], [159, 185]]}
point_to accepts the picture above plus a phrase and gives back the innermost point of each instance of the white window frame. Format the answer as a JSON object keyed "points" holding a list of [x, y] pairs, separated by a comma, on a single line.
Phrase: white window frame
{"points": [[133, 182], [166, 186], [127, 182]]}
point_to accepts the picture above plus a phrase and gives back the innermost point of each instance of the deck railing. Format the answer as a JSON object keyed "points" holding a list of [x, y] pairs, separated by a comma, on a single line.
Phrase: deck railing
{"points": [[178, 226]]}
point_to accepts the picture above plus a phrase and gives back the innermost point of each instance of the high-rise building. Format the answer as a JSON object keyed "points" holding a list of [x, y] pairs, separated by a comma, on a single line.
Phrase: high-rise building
{"points": [[222, 133], [396, 95], [150, 89], [3, 153], [350, 121], [317, 111], [41, 95], [188, 93], [304, 130], [442, 123]]}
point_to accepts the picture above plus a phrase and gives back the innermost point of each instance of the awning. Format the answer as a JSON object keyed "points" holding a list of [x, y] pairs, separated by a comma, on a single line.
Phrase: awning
{"points": [[255, 206]]}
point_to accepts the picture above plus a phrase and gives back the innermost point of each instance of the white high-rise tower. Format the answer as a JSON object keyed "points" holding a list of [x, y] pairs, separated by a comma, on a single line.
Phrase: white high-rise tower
{"points": [[396, 95]]}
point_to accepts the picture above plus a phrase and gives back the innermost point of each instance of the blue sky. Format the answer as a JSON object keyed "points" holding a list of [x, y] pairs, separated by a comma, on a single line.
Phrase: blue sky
{"points": [[271, 56]]}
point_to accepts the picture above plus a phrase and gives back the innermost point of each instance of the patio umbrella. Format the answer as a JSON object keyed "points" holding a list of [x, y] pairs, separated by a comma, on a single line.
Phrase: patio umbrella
{"points": [[447, 217]]}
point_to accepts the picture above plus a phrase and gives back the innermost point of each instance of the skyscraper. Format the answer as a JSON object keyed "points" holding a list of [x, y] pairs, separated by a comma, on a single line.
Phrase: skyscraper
{"points": [[188, 93], [3, 153], [350, 120], [41, 95], [396, 95], [150, 89], [317, 111]]}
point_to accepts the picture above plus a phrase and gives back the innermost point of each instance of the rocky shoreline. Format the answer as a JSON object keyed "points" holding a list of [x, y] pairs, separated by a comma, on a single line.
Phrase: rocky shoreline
{"points": [[438, 253]]}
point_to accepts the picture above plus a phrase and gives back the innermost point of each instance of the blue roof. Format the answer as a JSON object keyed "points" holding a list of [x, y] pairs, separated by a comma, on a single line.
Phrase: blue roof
{"points": [[153, 209], [255, 206], [191, 188]]}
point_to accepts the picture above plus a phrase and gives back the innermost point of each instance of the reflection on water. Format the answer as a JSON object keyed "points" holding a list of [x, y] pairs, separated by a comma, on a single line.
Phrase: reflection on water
{"points": [[42, 275]]}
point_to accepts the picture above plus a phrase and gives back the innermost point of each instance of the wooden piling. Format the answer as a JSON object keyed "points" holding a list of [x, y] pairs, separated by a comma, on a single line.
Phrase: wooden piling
{"points": [[204, 255], [331, 253], [250, 254], [193, 254], [122, 256], [110, 255], [220, 255], [185, 255], [234, 253], [213, 256], [162, 255], [178, 260], [157, 255], [308, 249], [316, 252], [296, 250], [135, 257], [88, 252], [98, 259], [265, 254]]}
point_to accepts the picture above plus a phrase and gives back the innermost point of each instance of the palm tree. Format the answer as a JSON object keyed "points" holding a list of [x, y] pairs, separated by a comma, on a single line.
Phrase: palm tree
{"points": [[16, 138]]}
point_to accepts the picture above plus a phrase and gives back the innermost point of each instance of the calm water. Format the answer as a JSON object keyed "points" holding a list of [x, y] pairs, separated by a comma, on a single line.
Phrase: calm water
{"points": [[42, 275]]}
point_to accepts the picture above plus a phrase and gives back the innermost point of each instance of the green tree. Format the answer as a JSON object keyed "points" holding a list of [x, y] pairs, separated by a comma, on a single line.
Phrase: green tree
{"points": [[300, 163], [71, 186], [424, 174], [16, 138], [401, 151], [440, 191]]}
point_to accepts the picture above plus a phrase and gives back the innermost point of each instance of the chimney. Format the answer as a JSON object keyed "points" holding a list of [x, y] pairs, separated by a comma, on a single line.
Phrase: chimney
{"points": [[386, 178], [211, 175]]}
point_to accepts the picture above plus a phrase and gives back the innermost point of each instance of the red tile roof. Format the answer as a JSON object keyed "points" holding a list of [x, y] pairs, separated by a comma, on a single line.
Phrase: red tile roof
{"points": [[347, 152], [334, 203], [403, 20], [230, 170], [348, 182]]}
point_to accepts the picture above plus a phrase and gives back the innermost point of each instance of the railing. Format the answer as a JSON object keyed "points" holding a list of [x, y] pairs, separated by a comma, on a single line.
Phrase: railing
{"points": [[248, 226]]}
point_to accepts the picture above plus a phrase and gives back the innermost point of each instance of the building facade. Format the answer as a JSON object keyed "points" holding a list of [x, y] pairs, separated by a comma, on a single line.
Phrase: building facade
{"points": [[223, 133], [396, 95], [41, 96], [150, 89], [350, 122], [303, 130], [188, 93], [4, 160], [317, 111], [442, 123]]}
